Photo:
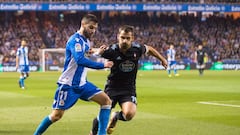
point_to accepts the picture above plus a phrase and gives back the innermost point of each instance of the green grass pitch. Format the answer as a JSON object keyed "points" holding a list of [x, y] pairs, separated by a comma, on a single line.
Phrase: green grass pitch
{"points": [[184, 105]]}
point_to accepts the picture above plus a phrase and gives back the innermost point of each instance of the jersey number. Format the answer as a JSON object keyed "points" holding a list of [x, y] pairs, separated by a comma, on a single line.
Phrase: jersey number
{"points": [[63, 97]]}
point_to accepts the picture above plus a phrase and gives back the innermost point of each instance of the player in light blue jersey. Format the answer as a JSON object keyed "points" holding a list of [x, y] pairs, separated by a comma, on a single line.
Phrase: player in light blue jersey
{"points": [[22, 63], [171, 61], [73, 85]]}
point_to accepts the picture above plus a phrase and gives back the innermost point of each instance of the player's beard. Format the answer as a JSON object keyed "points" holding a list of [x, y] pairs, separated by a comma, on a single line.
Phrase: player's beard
{"points": [[87, 34], [124, 46]]}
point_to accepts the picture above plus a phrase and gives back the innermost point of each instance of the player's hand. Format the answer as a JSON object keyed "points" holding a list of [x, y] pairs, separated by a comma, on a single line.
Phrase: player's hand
{"points": [[165, 64], [91, 51], [16, 67], [108, 64], [101, 49]]}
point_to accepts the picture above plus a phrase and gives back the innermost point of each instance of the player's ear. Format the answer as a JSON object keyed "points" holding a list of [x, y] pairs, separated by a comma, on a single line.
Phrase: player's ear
{"points": [[83, 23], [133, 37]]}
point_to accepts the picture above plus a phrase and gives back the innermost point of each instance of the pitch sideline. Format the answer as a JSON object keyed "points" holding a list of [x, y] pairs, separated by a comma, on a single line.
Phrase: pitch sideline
{"points": [[218, 104]]}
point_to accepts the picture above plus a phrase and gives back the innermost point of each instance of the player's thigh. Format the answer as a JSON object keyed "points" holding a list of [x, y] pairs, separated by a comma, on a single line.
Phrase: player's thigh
{"points": [[26, 69], [21, 68], [203, 66], [129, 110], [91, 92], [128, 104], [101, 98], [65, 97], [56, 114], [171, 64]]}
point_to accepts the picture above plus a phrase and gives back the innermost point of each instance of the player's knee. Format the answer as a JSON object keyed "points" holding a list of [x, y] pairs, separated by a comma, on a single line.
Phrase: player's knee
{"points": [[25, 75], [102, 99], [56, 117], [107, 101], [129, 116]]}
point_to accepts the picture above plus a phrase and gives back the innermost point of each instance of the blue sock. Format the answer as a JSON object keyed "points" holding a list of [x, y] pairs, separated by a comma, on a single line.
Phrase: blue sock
{"points": [[175, 71], [169, 72], [21, 80], [46, 122], [103, 119]]}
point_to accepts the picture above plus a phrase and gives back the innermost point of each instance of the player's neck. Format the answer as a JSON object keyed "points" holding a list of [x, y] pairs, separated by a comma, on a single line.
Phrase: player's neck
{"points": [[80, 32], [123, 50]]}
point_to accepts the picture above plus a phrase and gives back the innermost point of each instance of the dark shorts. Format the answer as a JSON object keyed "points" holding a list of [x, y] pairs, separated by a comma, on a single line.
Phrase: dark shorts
{"points": [[200, 62], [122, 99]]}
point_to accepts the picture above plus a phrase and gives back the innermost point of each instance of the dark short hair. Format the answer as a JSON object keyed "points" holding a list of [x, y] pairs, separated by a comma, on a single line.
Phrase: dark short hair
{"points": [[23, 38], [90, 18], [126, 29]]}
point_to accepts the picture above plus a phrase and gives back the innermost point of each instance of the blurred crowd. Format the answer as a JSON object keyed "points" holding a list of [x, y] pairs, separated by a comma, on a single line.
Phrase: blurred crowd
{"points": [[220, 35], [132, 1]]}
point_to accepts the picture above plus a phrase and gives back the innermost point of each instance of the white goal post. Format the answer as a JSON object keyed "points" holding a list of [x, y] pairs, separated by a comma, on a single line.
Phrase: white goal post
{"points": [[52, 59]]}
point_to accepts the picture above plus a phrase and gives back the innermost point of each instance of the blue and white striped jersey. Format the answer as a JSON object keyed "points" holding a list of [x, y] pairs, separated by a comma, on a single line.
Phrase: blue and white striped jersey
{"points": [[76, 64], [171, 54], [22, 53]]}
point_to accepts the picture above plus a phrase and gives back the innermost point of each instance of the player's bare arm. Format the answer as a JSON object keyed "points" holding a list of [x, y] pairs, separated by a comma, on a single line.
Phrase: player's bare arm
{"points": [[99, 51], [108, 64], [155, 53], [17, 63], [195, 57]]}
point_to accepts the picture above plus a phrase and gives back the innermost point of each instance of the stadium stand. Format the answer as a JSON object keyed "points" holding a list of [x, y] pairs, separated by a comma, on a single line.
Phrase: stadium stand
{"points": [[220, 35]]}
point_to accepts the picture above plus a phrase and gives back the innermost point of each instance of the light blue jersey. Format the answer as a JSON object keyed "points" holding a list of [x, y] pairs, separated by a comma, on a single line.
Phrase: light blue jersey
{"points": [[76, 64], [22, 53], [171, 61], [171, 57], [73, 84], [171, 54]]}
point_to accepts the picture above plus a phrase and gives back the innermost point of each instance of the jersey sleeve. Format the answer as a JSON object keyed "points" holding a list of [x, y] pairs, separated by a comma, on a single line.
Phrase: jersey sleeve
{"points": [[18, 52], [168, 51], [27, 50], [144, 49], [78, 52], [109, 53]]}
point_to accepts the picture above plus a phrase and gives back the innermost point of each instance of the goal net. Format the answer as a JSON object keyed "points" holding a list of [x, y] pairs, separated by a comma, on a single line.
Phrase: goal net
{"points": [[52, 59]]}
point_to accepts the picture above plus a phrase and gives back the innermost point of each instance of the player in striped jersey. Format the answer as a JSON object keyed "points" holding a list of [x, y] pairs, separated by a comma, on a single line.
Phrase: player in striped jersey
{"points": [[73, 85], [22, 63], [171, 61]]}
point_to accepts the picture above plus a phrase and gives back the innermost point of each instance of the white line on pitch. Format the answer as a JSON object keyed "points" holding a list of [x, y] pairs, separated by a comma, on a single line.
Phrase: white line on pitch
{"points": [[218, 104]]}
